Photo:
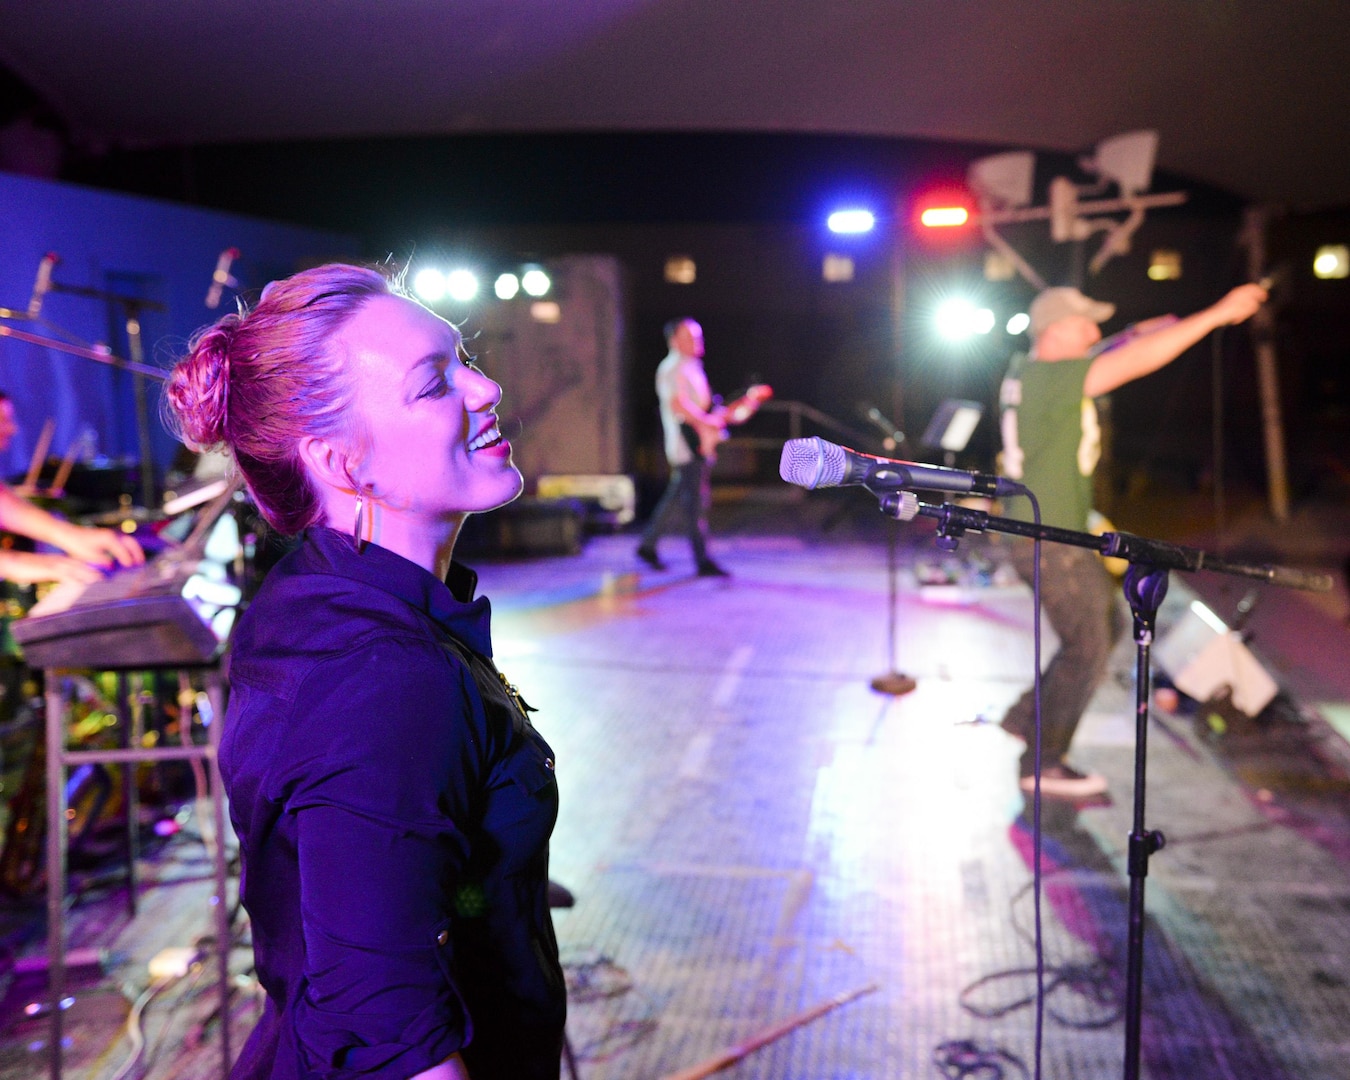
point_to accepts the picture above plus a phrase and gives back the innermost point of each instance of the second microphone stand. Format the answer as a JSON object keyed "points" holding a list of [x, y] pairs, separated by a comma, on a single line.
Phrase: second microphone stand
{"points": [[1145, 587]]}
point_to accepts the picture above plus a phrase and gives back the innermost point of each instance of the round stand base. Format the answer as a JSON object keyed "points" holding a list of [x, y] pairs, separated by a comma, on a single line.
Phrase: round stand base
{"points": [[893, 683]]}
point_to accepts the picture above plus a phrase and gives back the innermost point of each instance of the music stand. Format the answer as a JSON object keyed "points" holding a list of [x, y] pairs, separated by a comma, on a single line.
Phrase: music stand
{"points": [[952, 426]]}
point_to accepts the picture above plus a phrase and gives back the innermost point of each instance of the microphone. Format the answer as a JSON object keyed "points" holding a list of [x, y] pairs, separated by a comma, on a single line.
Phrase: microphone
{"points": [[873, 415], [43, 285], [815, 463], [221, 279]]}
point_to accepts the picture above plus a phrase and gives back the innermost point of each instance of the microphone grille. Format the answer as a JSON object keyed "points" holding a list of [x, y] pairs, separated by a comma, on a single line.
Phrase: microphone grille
{"points": [[812, 463]]}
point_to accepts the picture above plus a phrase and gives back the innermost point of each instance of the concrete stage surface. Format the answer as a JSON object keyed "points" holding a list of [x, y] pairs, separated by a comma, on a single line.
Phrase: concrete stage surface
{"points": [[750, 830]]}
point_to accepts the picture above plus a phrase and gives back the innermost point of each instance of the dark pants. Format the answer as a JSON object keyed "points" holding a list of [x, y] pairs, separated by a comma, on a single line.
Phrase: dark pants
{"points": [[1078, 597], [688, 494]]}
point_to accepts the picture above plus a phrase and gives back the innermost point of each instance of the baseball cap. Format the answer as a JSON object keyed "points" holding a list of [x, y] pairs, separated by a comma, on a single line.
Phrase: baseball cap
{"points": [[1062, 302]]}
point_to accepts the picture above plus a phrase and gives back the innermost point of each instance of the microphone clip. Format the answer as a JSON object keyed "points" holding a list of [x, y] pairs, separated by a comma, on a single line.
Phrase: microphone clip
{"points": [[901, 505]]}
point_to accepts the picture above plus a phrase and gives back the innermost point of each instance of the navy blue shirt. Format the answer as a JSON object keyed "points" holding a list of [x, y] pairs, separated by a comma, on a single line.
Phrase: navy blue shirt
{"points": [[394, 805]]}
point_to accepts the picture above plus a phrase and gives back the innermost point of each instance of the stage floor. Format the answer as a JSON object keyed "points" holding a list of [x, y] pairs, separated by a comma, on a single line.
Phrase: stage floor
{"points": [[750, 830]]}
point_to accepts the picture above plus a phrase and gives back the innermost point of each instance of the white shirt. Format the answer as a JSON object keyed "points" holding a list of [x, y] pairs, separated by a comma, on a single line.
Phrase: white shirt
{"points": [[678, 374]]}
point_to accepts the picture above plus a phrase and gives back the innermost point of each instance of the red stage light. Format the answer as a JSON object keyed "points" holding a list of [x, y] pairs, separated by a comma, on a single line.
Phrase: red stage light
{"points": [[943, 213], [944, 217]]}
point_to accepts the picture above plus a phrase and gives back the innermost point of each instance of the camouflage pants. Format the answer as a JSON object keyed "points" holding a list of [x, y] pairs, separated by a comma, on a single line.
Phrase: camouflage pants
{"points": [[1078, 597]]}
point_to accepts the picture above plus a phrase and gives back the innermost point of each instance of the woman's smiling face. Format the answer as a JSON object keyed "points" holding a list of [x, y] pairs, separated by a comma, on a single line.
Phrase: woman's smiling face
{"points": [[427, 440]]}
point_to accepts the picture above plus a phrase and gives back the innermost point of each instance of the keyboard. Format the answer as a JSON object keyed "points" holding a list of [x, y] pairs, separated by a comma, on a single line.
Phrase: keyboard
{"points": [[176, 610]]}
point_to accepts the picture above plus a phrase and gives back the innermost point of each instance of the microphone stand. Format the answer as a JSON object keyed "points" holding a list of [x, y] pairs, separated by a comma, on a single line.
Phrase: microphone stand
{"points": [[892, 681], [132, 307], [1145, 586]]}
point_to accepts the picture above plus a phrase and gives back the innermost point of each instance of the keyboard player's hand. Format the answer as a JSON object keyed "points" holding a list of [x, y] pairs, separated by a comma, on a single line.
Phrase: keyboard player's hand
{"points": [[29, 568], [101, 547]]}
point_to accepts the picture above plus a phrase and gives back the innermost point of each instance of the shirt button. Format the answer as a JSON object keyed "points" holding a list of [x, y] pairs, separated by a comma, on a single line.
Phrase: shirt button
{"points": [[443, 937], [548, 764]]}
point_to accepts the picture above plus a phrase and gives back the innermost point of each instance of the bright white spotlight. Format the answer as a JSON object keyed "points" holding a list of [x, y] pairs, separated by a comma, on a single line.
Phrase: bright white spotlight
{"points": [[1018, 323], [429, 284], [983, 321], [957, 319], [506, 286], [1332, 261], [535, 282], [851, 221], [461, 285]]}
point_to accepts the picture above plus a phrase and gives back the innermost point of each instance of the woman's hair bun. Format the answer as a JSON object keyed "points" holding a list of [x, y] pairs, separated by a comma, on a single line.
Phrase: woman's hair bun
{"points": [[198, 390]]}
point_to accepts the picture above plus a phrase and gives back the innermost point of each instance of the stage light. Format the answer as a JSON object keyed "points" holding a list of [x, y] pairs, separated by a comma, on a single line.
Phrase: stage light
{"points": [[506, 286], [1004, 180], [461, 285], [681, 270], [1332, 261], [429, 284], [1164, 265], [851, 221], [944, 217], [958, 319], [1127, 159], [1018, 323], [535, 282], [546, 311], [837, 268]]}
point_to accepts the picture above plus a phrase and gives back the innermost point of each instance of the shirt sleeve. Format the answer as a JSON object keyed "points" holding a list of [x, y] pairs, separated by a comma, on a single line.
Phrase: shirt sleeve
{"points": [[385, 759]]}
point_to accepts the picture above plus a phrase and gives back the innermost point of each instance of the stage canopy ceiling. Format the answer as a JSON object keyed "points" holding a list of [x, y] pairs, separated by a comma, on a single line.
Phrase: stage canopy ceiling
{"points": [[1250, 95]]}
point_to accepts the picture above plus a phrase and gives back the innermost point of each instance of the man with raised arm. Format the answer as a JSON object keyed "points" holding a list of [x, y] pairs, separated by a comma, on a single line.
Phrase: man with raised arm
{"points": [[1051, 442]]}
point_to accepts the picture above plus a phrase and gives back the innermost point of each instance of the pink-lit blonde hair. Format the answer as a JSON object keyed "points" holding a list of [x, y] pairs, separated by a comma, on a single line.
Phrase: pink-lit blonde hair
{"points": [[256, 382]]}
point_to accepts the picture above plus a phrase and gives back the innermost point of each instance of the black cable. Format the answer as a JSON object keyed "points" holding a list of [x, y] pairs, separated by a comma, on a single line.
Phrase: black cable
{"points": [[965, 1059], [1036, 787], [1094, 981], [1216, 440]]}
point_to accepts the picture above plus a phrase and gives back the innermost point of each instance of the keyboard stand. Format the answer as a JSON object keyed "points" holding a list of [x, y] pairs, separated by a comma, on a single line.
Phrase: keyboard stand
{"points": [[58, 760]]}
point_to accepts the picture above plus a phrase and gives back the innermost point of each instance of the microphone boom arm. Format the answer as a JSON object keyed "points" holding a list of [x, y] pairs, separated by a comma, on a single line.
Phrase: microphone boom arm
{"points": [[954, 520]]}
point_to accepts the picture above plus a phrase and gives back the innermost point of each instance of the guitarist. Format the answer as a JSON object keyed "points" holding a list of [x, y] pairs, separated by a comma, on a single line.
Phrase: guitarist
{"points": [[688, 416]]}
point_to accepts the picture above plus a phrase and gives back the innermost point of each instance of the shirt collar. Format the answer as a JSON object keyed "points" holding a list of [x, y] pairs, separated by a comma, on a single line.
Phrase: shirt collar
{"points": [[450, 604]]}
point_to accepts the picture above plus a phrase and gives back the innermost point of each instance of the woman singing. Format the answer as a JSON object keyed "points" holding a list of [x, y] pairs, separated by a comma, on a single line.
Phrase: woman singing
{"points": [[392, 799]]}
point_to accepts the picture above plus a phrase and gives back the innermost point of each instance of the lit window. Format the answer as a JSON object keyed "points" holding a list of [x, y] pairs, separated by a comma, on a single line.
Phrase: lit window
{"points": [[680, 270], [998, 267], [837, 268], [1165, 265]]}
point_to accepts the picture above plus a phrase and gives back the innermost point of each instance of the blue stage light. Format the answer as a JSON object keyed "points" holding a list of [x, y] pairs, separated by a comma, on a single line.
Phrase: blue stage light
{"points": [[851, 221]]}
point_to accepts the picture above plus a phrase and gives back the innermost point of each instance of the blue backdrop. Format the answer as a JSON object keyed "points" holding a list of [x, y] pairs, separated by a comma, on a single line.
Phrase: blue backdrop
{"points": [[143, 248]]}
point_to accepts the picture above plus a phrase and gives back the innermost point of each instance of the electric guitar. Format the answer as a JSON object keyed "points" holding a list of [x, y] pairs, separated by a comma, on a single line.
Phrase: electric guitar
{"points": [[704, 439]]}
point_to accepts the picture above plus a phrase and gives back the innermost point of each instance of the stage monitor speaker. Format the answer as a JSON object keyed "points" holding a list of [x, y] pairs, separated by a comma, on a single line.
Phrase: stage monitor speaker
{"points": [[1203, 657]]}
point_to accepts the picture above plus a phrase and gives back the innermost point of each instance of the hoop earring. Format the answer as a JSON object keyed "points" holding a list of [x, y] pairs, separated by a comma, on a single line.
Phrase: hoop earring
{"points": [[356, 525]]}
